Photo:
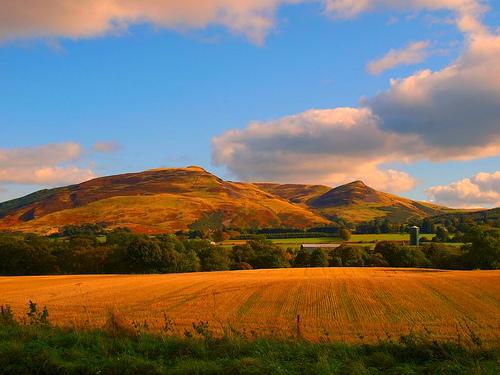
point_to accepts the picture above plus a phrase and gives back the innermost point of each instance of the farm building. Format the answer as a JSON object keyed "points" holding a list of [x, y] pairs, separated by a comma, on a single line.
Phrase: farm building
{"points": [[310, 247]]}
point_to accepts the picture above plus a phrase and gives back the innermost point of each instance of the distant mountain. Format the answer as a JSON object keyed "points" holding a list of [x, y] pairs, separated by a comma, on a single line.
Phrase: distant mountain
{"points": [[476, 215], [171, 199], [355, 202], [154, 201]]}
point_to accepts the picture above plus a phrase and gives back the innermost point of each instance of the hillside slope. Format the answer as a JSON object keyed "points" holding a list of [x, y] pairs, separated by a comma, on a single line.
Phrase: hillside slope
{"points": [[476, 215], [154, 201], [171, 199], [354, 202], [295, 193]]}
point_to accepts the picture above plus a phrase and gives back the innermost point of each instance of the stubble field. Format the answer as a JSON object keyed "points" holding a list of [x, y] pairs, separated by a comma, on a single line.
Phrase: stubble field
{"points": [[348, 304]]}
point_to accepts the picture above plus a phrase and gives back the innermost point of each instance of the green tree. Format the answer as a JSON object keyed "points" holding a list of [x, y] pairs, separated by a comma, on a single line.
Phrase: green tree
{"points": [[390, 251], [302, 259], [144, 256], [376, 260], [335, 261], [427, 226], [411, 257], [345, 234], [268, 255], [352, 256], [442, 234], [385, 226], [443, 256], [26, 257], [242, 253], [189, 262], [319, 258], [213, 258], [483, 248]]}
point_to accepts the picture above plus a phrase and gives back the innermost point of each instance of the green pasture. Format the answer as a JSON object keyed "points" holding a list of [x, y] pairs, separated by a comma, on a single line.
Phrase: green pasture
{"points": [[368, 239]]}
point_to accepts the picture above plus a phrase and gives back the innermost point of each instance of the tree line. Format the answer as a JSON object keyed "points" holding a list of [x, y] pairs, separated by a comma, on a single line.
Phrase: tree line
{"points": [[482, 251], [84, 252]]}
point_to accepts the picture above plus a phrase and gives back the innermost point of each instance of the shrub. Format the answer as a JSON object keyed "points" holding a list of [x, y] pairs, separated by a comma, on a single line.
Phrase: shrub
{"points": [[243, 266], [6, 315], [319, 258], [36, 317], [345, 234]]}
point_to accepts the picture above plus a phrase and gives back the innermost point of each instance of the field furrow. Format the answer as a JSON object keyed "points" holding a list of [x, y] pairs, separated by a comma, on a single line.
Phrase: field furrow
{"points": [[336, 303]]}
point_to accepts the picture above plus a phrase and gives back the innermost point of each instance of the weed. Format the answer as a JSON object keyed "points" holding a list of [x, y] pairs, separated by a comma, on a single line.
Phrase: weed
{"points": [[36, 317], [6, 315]]}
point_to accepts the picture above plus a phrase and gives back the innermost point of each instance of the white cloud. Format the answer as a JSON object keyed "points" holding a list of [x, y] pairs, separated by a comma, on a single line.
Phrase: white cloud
{"points": [[46, 165], [90, 18], [39, 155], [449, 114], [318, 146], [106, 147], [252, 18], [456, 110], [468, 12], [481, 190], [413, 53], [48, 175]]}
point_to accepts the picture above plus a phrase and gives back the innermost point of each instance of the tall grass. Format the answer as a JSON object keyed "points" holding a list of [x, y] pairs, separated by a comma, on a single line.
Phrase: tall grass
{"points": [[34, 346]]}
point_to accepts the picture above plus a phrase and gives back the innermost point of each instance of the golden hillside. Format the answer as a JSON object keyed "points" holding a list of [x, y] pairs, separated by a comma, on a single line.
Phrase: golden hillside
{"points": [[154, 201], [354, 202]]}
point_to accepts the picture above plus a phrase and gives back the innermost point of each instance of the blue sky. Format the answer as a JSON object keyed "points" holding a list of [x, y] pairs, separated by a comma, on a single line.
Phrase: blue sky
{"points": [[158, 95]]}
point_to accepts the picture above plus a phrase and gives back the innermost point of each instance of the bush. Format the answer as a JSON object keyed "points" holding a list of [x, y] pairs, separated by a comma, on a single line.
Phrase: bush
{"points": [[443, 256], [6, 315], [350, 256], [144, 256], [243, 266], [319, 258], [36, 317], [345, 234], [376, 260], [213, 258], [401, 256], [483, 250], [302, 259]]}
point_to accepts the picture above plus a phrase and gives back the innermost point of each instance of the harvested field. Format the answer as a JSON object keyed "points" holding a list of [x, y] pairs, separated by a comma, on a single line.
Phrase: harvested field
{"points": [[349, 304]]}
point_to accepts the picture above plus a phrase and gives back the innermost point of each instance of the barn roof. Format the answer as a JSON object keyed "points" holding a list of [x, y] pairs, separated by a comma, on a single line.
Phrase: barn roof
{"points": [[320, 245]]}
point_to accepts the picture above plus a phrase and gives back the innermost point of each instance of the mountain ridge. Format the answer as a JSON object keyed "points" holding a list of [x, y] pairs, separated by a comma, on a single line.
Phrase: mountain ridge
{"points": [[153, 201], [169, 199]]}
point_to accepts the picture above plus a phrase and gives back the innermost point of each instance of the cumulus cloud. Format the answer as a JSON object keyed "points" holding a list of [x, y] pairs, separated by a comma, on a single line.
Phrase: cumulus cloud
{"points": [[46, 165], [106, 147], [468, 12], [90, 18], [252, 18], [328, 146], [413, 53], [449, 114], [481, 190], [456, 110]]}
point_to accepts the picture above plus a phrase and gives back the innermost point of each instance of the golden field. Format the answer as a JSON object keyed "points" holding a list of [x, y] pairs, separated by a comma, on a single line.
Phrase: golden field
{"points": [[349, 304]]}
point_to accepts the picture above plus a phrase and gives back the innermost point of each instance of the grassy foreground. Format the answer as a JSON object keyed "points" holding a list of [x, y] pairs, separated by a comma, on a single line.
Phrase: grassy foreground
{"points": [[41, 349]]}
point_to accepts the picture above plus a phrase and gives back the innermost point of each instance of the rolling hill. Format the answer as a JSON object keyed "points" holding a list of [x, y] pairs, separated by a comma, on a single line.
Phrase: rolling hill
{"points": [[476, 215], [171, 199], [354, 202], [154, 201]]}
